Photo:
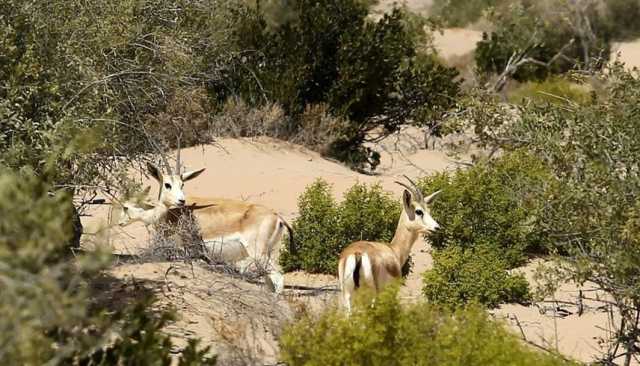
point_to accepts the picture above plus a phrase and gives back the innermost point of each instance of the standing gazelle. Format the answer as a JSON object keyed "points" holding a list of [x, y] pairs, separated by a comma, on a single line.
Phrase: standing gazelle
{"points": [[371, 264], [246, 231]]}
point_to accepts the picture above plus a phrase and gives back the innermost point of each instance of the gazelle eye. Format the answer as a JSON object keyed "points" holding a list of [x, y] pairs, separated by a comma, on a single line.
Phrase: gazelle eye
{"points": [[167, 186], [419, 212]]}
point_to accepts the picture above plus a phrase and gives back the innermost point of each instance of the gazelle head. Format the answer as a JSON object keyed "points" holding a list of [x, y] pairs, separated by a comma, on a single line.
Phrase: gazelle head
{"points": [[171, 194], [416, 208]]}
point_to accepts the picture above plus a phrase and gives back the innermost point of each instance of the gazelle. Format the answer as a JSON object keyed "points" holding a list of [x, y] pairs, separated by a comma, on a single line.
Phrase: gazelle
{"points": [[223, 223], [371, 264]]}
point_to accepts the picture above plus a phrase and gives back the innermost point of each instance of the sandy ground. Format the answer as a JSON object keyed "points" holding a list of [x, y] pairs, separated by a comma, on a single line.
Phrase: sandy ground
{"points": [[274, 173], [627, 52]]}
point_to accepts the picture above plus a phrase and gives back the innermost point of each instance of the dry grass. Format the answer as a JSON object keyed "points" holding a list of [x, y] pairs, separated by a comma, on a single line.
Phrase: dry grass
{"points": [[238, 119], [187, 113], [315, 128]]}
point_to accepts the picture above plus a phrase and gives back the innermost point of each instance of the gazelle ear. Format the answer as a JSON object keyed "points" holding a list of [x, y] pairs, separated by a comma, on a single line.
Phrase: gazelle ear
{"points": [[430, 197], [146, 190], [154, 171], [408, 207], [190, 175]]}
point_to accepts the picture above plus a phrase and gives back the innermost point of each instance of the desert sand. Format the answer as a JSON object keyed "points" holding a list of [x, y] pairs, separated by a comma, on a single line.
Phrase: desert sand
{"points": [[275, 173], [221, 309]]}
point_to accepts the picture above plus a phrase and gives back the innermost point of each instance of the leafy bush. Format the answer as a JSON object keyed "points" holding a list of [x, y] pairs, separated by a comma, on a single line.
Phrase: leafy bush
{"points": [[495, 202], [533, 32], [591, 213], [459, 13], [329, 52], [551, 90], [621, 19], [474, 275], [45, 317], [417, 334], [323, 227]]}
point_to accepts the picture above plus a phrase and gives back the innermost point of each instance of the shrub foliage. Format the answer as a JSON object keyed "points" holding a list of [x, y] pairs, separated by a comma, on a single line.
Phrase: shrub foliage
{"points": [[418, 334], [372, 73], [44, 312], [324, 227], [591, 212], [473, 275], [496, 203]]}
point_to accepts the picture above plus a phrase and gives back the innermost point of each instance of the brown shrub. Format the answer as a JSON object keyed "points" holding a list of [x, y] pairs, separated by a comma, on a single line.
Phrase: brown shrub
{"points": [[187, 114], [317, 128], [237, 119]]}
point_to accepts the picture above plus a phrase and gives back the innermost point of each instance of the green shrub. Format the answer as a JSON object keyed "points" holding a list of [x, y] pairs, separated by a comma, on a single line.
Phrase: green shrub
{"points": [[323, 227], [390, 334], [459, 13], [592, 212], [46, 315], [541, 34], [551, 90], [336, 55], [496, 202], [621, 19], [475, 275]]}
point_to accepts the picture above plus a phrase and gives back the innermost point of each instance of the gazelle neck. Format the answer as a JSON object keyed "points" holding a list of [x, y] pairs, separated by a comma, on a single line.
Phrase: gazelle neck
{"points": [[154, 215], [403, 240]]}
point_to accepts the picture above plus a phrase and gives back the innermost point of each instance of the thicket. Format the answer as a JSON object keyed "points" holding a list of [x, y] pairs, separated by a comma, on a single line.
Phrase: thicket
{"points": [[389, 333], [496, 203], [556, 89], [533, 40], [324, 227], [45, 317], [375, 75], [473, 275], [591, 212]]}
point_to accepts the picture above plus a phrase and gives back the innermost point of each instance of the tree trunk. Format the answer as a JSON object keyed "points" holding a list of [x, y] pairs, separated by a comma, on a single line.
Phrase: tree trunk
{"points": [[74, 243]]}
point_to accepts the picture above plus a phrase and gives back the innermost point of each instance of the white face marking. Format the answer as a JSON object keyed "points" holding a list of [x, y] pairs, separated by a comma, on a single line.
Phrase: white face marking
{"points": [[424, 219], [171, 193], [171, 185]]}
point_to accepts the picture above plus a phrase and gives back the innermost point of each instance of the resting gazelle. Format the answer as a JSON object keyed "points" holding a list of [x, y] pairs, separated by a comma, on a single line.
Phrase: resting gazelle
{"points": [[374, 265], [248, 232]]}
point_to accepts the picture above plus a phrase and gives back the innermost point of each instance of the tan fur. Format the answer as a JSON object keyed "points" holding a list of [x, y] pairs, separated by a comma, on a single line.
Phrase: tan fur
{"points": [[258, 228], [220, 217], [387, 260]]}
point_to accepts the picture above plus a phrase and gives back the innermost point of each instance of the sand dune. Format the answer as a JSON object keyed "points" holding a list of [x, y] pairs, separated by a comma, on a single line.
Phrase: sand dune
{"points": [[274, 173]]}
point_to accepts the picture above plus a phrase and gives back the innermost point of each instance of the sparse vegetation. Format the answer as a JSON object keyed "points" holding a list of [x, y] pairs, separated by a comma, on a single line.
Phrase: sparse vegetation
{"points": [[552, 90], [90, 90], [590, 213], [459, 13]]}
